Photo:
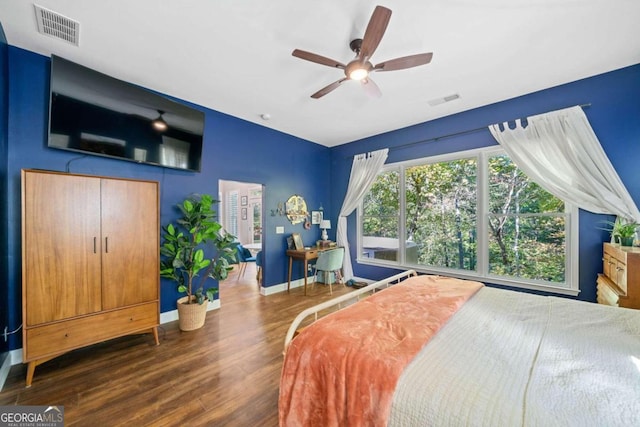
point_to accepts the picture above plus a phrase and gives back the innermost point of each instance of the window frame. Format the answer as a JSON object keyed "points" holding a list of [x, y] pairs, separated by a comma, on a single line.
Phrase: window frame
{"points": [[482, 193]]}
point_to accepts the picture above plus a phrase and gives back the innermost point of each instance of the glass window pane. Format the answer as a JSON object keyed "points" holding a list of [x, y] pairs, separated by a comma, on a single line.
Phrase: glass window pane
{"points": [[435, 222], [528, 247], [441, 214], [511, 191], [380, 218]]}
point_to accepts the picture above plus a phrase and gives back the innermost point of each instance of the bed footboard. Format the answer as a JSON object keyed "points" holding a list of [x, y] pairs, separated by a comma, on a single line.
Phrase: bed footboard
{"points": [[338, 301]]}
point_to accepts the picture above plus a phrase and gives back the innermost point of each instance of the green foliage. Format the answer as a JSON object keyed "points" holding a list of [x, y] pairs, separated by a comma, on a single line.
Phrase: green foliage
{"points": [[621, 229], [525, 223], [183, 250]]}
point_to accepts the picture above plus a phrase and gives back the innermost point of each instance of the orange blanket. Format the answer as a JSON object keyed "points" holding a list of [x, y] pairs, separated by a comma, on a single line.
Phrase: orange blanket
{"points": [[342, 370]]}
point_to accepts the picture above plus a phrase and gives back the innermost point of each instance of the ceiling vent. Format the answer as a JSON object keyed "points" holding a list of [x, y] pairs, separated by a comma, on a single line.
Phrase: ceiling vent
{"points": [[55, 25], [447, 98]]}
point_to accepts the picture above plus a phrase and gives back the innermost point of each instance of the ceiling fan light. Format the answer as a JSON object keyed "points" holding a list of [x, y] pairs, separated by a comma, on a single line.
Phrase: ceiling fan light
{"points": [[159, 124], [358, 74]]}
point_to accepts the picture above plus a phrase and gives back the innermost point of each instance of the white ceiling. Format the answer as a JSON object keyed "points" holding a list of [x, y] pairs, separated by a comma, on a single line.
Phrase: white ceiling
{"points": [[234, 56]]}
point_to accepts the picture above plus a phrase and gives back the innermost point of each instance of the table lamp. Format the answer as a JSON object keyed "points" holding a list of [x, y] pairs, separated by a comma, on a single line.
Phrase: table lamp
{"points": [[325, 224]]}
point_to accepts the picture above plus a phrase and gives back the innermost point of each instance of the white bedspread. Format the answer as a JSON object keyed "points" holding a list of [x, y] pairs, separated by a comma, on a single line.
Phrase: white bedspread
{"points": [[515, 359]]}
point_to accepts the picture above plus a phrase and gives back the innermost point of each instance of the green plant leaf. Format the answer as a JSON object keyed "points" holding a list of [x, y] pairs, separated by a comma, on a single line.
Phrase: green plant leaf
{"points": [[211, 293], [187, 242]]}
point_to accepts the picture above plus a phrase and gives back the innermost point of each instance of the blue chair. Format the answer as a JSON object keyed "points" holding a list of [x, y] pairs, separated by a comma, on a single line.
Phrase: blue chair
{"points": [[328, 262], [244, 256], [259, 265]]}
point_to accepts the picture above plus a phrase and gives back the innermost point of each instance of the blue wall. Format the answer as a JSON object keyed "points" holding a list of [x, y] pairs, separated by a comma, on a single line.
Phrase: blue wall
{"points": [[234, 149], [241, 151], [614, 115], [4, 251]]}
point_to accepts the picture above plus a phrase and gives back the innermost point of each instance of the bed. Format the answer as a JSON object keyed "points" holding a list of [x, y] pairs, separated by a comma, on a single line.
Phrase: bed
{"points": [[437, 351]]}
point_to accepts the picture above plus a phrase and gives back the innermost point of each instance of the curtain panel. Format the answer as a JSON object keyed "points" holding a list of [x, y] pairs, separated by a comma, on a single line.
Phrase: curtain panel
{"points": [[364, 170], [561, 153]]}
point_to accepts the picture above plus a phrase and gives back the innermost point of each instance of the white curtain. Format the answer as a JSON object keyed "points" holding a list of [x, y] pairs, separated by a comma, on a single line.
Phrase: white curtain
{"points": [[561, 153], [364, 170]]}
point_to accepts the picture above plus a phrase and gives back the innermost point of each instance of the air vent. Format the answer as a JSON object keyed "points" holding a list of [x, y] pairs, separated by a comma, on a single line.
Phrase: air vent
{"points": [[55, 25], [447, 98]]}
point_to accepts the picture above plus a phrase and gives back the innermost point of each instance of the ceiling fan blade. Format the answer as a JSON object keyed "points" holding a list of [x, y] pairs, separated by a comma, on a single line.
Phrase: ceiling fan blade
{"points": [[371, 88], [404, 62], [318, 59], [325, 90], [374, 32]]}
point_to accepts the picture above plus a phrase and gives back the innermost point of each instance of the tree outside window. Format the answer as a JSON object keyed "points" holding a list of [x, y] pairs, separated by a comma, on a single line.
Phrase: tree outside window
{"points": [[428, 215], [526, 226], [441, 213]]}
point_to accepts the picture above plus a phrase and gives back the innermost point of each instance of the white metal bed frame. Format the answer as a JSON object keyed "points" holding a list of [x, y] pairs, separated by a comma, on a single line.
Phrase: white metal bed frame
{"points": [[384, 283]]}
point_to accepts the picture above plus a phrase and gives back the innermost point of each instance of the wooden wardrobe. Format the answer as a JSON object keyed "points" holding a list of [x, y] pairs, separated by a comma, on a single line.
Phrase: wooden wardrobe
{"points": [[90, 262]]}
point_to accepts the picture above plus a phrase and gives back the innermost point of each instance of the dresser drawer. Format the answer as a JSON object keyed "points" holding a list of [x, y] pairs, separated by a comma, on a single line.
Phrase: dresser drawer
{"points": [[312, 254], [606, 294], [619, 283], [608, 264], [619, 275], [56, 338], [614, 265]]}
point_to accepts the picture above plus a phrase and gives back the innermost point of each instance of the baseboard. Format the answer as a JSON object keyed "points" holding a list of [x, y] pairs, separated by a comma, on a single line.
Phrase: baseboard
{"points": [[282, 287], [172, 316], [298, 283]]}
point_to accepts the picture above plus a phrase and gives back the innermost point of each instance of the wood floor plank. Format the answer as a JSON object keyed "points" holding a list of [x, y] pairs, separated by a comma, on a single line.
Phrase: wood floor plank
{"points": [[225, 374]]}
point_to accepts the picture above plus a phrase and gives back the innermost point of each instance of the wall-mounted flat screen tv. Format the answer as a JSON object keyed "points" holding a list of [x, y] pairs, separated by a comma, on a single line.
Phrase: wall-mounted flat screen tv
{"points": [[92, 113]]}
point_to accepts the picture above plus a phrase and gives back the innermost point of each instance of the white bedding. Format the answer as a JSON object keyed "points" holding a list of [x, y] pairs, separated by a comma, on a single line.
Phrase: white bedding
{"points": [[514, 359]]}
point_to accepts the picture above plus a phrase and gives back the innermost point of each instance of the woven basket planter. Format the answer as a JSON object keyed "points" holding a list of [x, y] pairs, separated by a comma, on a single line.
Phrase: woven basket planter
{"points": [[191, 316]]}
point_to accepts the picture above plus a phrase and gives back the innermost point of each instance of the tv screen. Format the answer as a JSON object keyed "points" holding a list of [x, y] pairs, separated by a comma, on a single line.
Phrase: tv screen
{"points": [[96, 114]]}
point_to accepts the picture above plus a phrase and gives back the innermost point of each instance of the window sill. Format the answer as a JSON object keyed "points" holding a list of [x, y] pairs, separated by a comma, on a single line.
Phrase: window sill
{"points": [[493, 280]]}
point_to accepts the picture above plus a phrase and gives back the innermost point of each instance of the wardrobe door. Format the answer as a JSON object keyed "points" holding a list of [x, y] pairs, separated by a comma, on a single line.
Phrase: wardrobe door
{"points": [[130, 239], [61, 246]]}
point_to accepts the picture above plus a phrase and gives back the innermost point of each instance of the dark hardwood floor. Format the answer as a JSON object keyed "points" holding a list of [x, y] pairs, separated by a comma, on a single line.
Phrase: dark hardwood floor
{"points": [[225, 374]]}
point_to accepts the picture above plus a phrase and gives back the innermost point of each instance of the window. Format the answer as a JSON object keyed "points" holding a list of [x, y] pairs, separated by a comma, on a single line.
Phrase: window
{"points": [[174, 152], [232, 213], [381, 208], [473, 215]]}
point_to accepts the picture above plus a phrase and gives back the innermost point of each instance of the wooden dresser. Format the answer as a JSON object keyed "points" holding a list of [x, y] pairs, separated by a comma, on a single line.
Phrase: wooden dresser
{"points": [[90, 262], [619, 283]]}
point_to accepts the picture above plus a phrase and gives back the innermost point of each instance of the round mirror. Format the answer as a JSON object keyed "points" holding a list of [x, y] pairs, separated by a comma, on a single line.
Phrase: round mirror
{"points": [[296, 209]]}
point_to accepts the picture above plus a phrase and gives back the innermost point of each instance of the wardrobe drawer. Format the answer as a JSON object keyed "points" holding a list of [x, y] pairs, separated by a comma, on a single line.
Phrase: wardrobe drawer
{"points": [[56, 338]]}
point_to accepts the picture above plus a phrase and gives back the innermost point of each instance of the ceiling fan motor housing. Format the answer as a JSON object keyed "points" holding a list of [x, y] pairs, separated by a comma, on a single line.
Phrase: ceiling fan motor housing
{"points": [[355, 45]]}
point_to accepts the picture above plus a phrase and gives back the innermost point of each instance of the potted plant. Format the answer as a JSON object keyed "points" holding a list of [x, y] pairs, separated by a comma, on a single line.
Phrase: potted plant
{"points": [[622, 231], [183, 257]]}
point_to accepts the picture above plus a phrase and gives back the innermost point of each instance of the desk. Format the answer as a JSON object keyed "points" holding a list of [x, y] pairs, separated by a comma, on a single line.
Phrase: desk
{"points": [[304, 255], [253, 246]]}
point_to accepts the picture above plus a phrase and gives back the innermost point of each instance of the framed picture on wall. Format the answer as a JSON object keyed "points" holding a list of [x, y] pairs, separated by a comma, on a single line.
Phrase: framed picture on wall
{"points": [[297, 241], [316, 217], [243, 201], [244, 213]]}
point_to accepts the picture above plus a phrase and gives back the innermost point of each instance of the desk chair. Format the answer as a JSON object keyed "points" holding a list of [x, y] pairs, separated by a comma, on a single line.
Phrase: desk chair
{"points": [[244, 257], [259, 265], [330, 261]]}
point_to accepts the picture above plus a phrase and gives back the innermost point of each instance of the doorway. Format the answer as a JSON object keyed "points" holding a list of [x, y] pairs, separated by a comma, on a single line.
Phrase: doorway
{"points": [[241, 214]]}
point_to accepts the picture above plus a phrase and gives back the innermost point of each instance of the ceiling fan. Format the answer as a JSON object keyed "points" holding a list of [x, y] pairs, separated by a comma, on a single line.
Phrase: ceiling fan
{"points": [[361, 67]]}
